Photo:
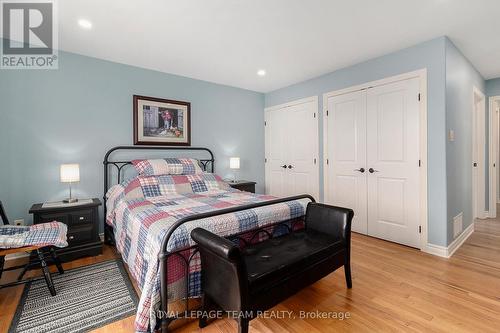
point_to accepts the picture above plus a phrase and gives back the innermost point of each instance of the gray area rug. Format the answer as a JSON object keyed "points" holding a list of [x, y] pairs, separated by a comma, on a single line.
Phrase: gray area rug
{"points": [[87, 298]]}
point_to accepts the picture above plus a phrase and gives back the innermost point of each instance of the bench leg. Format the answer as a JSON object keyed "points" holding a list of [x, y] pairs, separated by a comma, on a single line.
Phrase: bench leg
{"points": [[206, 307], [56, 260], [243, 325], [46, 272], [347, 271]]}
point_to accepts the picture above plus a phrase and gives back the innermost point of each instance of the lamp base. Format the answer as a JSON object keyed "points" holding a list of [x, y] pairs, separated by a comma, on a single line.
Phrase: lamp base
{"points": [[70, 200]]}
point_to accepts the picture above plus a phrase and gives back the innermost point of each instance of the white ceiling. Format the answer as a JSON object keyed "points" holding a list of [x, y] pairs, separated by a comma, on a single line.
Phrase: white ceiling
{"points": [[227, 41]]}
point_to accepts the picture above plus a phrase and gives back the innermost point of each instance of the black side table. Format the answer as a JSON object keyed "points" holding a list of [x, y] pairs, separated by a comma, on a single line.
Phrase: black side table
{"points": [[83, 227], [243, 185]]}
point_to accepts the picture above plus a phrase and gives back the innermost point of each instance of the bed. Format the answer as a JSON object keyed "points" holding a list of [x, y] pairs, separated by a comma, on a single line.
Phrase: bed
{"points": [[150, 213]]}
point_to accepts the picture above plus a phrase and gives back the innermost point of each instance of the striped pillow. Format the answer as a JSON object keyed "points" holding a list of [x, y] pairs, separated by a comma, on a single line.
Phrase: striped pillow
{"points": [[167, 166]]}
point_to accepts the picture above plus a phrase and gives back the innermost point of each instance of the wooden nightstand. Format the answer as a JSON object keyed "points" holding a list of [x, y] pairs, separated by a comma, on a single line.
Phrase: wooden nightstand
{"points": [[243, 185], [83, 227]]}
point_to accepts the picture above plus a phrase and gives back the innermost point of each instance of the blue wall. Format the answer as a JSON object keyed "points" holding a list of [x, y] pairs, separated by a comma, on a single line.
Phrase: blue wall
{"points": [[76, 113], [461, 76], [430, 55], [493, 87]]}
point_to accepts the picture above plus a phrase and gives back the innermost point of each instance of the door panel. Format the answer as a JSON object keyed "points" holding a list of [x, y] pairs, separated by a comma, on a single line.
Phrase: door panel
{"points": [[346, 153], [391, 127], [391, 202], [393, 154]]}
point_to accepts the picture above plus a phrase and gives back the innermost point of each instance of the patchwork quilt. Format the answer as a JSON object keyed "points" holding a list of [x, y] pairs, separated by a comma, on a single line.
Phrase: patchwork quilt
{"points": [[44, 234], [141, 211]]}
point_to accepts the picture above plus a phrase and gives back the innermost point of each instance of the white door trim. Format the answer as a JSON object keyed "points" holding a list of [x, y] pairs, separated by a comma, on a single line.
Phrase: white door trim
{"points": [[422, 75], [478, 186], [315, 148], [292, 103]]}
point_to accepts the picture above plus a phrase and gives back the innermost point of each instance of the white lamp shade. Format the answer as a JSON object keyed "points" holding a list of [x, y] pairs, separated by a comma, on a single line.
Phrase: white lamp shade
{"points": [[234, 163], [70, 173]]}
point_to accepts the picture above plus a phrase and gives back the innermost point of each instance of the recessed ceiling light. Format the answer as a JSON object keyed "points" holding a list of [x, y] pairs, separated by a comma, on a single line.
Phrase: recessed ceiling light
{"points": [[85, 24], [261, 72]]}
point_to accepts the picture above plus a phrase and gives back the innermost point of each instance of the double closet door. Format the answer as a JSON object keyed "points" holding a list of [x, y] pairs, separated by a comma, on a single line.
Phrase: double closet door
{"points": [[372, 151], [292, 165]]}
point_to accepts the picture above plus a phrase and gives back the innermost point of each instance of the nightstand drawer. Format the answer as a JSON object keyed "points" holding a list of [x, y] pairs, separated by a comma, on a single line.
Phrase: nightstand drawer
{"points": [[80, 235], [59, 217], [81, 217]]}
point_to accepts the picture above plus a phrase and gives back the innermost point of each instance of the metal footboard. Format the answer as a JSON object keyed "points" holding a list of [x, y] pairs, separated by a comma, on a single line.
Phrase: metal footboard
{"points": [[164, 322]]}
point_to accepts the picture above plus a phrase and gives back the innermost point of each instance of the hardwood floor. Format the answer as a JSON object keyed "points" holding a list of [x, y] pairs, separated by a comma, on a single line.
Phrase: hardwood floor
{"points": [[395, 288]]}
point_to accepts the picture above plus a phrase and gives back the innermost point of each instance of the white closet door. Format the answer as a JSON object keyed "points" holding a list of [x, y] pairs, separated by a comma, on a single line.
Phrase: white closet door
{"points": [[393, 156], [302, 146], [276, 141], [292, 150], [346, 154]]}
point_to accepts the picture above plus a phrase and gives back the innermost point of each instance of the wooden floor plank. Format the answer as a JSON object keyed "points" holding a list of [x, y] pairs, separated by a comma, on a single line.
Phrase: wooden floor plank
{"points": [[395, 288]]}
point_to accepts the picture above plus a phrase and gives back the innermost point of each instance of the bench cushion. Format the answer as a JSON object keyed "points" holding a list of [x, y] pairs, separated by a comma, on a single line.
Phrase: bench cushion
{"points": [[274, 260]]}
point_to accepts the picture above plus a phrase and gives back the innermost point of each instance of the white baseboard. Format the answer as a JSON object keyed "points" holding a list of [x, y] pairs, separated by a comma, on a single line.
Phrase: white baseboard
{"points": [[436, 250], [484, 215], [447, 251]]}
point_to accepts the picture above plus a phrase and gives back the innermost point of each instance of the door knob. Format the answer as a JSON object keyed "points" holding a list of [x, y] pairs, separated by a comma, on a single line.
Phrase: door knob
{"points": [[284, 166], [372, 170], [362, 170], [290, 166]]}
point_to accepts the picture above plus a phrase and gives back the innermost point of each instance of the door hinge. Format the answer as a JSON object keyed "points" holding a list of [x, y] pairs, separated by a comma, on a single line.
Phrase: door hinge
{"points": [[419, 163], [315, 161], [419, 97], [419, 229], [265, 123], [265, 160], [327, 162], [327, 113]]}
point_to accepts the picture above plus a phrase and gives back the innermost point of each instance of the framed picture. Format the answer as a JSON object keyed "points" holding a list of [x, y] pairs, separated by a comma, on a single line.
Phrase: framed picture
{"points": [[161, 122]]}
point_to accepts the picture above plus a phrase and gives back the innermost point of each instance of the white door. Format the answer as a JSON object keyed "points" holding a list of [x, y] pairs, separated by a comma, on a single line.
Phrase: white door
{"points": [[276, 140], [346, 152], [292, 150], [478, 155], [302, 150], [372, 153], [393, 162]]}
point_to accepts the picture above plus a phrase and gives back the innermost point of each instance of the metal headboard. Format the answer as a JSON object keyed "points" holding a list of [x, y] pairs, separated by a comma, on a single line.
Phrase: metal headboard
{"points": [[207, 164]]}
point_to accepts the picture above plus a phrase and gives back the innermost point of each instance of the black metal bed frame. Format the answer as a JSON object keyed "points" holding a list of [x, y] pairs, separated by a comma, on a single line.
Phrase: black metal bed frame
{"points": [[164, 319]]}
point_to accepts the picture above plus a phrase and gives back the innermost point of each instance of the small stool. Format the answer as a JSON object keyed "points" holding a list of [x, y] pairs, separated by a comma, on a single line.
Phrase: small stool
{"points": [[41, 261], [42, 237]]}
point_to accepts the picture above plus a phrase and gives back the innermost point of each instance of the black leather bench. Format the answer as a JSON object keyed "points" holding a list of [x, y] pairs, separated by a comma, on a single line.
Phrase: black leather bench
{"points": [[260, 276]]}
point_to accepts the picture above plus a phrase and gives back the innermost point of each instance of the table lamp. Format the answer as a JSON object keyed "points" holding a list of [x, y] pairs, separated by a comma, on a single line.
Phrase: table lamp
{"points": [[234, 164], [70, 173]]}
